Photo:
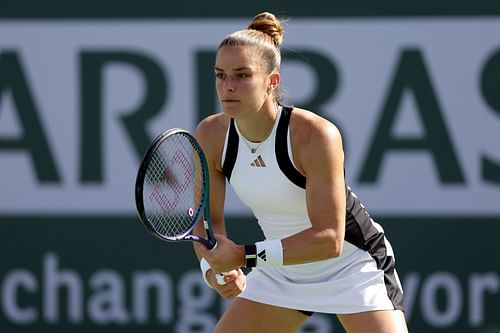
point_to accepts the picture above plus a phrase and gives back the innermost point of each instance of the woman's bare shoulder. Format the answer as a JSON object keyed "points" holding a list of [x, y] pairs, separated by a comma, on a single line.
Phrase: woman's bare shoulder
{"points": [[211, 133], [313, 139], [309, 127], [212, 127]]}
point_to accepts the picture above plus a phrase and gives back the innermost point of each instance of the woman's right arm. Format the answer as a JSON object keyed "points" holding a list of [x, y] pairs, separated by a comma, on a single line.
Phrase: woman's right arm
{"points": [[210, 133]]}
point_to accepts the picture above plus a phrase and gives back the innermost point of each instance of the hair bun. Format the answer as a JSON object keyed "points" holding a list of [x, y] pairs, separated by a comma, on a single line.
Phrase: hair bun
{"points": [[270, 25]]}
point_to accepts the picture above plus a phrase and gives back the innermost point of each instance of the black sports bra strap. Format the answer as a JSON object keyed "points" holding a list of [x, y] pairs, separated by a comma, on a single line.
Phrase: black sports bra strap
{"points": [[231, 151], [281, 149]]}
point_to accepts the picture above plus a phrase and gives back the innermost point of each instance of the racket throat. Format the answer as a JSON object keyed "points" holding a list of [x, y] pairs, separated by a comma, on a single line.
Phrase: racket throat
{"points": [[209, 244]]}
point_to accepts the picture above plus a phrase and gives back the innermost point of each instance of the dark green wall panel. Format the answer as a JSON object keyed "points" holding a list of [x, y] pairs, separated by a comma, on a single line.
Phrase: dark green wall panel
{"points": [[226, 8], [53, 265]]}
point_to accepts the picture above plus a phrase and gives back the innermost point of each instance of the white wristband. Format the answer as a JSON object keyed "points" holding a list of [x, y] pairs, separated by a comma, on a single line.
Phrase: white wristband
{"points": [[269, 253], [205, 267]]}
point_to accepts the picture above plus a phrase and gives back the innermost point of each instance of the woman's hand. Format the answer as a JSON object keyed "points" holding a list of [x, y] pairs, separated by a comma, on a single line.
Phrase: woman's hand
{"points": [[225, 257], [235, 283]]}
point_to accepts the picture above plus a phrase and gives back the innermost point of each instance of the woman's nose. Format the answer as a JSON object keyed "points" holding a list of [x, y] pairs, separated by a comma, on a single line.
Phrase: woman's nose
{"points": [[228, 85]]}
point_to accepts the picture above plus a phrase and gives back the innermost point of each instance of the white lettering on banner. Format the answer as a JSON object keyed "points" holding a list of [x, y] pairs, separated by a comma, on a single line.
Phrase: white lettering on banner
{"points": [[105, 296], [450, 285], [108, 305], [479, 290], [415, 100], [12, 282], [109, 302], [59, 295]]}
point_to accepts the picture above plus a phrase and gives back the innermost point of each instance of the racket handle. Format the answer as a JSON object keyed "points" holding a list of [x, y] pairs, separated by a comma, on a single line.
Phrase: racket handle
{"points": [[220, 279]]}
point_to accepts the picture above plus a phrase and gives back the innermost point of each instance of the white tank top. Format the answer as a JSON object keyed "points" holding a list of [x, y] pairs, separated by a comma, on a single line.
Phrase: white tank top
{"points": [[267, 181], [277, 203]]}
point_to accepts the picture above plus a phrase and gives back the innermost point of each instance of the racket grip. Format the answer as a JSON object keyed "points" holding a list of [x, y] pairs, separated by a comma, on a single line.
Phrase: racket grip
{"points": [[220, 279]]}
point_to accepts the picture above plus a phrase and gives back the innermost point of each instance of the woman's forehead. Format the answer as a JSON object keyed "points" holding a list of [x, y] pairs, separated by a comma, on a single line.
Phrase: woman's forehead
{"points": [[237, 57]]}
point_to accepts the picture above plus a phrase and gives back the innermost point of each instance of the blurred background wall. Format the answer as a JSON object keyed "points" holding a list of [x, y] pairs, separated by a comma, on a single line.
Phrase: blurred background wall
{"points": [[85, 87]]}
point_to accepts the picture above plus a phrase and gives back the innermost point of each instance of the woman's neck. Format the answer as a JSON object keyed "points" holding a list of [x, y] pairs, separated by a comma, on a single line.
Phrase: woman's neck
{"points": [[257, 127]]}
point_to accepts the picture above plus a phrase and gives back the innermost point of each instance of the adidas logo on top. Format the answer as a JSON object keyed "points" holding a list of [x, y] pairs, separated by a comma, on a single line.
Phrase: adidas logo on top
{"points": [[258, 162]]}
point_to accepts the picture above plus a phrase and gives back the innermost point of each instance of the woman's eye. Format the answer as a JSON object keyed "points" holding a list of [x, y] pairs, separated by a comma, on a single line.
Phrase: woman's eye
{"points": [[242, 75], [219, 75]]}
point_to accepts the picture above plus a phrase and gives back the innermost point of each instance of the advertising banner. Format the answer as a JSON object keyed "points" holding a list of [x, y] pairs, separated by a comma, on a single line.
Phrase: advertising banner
{"points": [[416, 100]]}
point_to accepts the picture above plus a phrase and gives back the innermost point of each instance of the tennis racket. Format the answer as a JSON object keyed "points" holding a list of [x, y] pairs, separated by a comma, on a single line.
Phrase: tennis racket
{"points": [[172, 189]]}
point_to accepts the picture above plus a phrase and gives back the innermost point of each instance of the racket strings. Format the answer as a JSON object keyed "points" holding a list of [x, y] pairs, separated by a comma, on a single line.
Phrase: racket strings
{"points": [[174, 187]]}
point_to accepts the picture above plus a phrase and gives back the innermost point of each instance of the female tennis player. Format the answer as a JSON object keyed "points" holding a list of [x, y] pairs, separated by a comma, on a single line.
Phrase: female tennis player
{"points": [[322, 251]]}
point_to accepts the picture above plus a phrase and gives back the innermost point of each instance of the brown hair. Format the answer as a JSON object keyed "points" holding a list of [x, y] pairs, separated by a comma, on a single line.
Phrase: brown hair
{"points": [[265, 33]]}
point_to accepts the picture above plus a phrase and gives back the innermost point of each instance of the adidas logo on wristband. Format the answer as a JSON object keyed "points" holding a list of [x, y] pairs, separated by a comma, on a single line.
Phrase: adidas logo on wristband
{"points": [[262, 255], [268, 253]]}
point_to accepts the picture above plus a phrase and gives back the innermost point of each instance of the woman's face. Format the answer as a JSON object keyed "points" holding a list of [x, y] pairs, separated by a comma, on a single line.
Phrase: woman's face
{"points": [[241, 80]]}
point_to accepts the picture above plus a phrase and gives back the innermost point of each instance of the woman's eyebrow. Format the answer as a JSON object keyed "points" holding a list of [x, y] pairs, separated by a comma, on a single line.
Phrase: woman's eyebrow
{"points": [[239, 69]]}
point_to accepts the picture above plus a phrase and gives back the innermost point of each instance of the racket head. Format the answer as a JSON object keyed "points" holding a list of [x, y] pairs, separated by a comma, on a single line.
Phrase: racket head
{"points": [[172, 187]]}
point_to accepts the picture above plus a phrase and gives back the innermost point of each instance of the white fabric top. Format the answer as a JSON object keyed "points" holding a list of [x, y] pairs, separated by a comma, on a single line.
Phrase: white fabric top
{"points": [[277, 203], [347, 284]]}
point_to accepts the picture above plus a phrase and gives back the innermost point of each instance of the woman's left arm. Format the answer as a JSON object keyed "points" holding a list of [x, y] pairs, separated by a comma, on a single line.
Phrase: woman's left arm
{"points": [[321, 159]]}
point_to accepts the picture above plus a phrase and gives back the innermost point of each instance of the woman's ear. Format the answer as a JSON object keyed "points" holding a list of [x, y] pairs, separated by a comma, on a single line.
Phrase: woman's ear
{"points": [[274, 80]]}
